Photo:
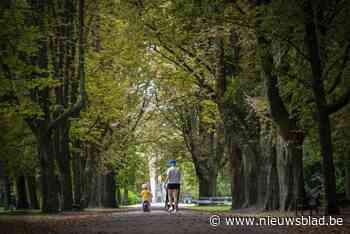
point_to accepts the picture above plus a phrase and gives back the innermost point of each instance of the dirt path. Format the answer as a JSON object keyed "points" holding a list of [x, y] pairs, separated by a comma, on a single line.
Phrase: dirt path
{"points": [[160, 221], [134, 221], [186, 221]]}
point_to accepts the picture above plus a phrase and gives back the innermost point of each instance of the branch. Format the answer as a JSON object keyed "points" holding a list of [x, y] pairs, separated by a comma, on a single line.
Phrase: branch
{"points": [[340, 103], [186, 51], [145, 102], [235, 5], [341, 69], [66, 114], [187, 68]]}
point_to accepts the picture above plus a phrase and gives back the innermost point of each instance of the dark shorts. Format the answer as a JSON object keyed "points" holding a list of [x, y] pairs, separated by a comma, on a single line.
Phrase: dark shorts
{"points": [[173, 186]]}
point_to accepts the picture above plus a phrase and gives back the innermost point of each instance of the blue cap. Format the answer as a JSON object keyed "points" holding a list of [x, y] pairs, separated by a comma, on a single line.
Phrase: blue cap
{"points": [[172, 162]]}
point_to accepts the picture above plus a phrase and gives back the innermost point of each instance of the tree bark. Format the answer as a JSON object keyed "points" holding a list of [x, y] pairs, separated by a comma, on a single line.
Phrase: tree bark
{"points": [[125, 196], [50, 201], [64, 164], [206, 151], [207, 184], [77, 174], [119, 195], [312, 44], [237, 171], [285, 175], [7, 192], [272, 190], [32, 190], [292, 161], [21, 192], [250, 177], [347, 180], [109, 196]]}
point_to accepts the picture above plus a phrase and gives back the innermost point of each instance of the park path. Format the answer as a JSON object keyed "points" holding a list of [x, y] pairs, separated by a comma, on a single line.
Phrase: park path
{"points": [[133, 221], [159, 221]]}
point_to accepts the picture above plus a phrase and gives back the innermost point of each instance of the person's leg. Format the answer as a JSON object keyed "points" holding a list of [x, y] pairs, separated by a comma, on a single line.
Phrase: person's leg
{"points": [[175, 198], [167, 198], [178, 196], [170, 197]]}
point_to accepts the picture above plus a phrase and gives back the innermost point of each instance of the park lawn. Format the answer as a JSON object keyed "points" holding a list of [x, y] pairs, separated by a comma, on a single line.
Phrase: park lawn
{"points": [[211, 208]]}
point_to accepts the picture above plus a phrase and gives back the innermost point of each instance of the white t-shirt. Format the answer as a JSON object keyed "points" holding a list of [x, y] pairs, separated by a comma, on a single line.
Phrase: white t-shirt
{"points": [[174, 175]]}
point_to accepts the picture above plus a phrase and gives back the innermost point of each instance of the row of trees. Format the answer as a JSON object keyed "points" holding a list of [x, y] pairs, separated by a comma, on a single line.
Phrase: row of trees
{"points": [[97, 86], [72, 100], [258, 83]]}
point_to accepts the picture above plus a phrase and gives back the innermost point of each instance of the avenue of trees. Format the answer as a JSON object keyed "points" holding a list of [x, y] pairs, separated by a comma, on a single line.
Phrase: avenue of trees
{"points": [[253, 91]]}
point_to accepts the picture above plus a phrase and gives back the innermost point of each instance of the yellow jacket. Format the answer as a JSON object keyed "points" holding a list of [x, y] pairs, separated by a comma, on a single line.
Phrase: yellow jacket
{"points": [[146, 195]]}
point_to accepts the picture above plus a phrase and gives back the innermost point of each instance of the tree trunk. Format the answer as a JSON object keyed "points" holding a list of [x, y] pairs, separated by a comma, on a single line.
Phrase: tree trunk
{"points": [[272, 187], [64, 165], [109, 199], [125, 196], [285, 175], [296, 152], [206, 152], [347, 180], [119, 195], [237, 170], [207, 184], [328, 164], [250, 177], [91, 193], [77, 173], [97, 191], [7, 192], [313, 46], [289, 153], [32, 190], [94, 199], [50, 202]]}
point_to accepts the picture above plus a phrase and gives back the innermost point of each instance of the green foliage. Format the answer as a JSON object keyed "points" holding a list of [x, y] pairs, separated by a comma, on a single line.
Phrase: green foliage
{"points": [[133, 198]]}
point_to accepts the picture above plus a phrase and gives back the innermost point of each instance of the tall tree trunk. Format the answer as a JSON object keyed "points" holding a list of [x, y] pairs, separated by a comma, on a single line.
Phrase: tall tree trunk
{"points": [[119, 195], [96, 191], [272, 196], [206, 152], [77, 174], [312, 43], [237, 184], [64, 165], [32, 191], [250, 169], [7, 192], [125, 196], [109, 197], [296, 151], [347, 180], [21, 192], [207, 184], [207, 173], [291, 163], [50, 201], [327, 163], [285, 175]]}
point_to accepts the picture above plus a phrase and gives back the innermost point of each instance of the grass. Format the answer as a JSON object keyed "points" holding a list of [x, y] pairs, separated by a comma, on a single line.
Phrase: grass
{"points": [[211, 208]]}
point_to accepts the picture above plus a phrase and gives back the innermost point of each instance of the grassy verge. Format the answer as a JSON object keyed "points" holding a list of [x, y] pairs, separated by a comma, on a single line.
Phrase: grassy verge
{"points": [[211, 208]]}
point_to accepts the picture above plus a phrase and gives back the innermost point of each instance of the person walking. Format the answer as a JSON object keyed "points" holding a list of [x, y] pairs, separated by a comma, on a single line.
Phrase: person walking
{"points": [[173, 178]]}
